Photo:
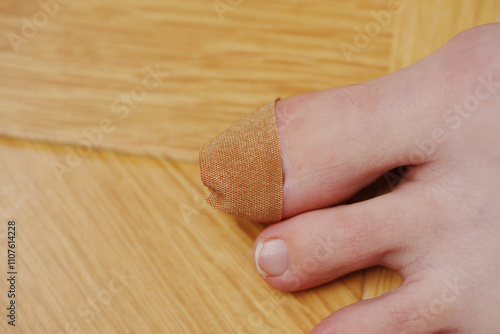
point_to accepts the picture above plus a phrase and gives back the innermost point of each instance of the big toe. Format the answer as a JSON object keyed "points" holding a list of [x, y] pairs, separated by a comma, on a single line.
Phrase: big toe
{"points": [[318, 149]]}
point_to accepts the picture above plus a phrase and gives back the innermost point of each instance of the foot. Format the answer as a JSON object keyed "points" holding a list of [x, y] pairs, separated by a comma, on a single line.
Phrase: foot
{"points": [[439, 227]]}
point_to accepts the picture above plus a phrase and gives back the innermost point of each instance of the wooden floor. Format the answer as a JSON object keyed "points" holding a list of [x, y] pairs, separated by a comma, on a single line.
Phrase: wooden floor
{"points": [[104, 106]]}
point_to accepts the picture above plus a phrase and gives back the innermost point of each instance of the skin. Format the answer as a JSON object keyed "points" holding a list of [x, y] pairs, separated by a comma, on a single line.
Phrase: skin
{"points": [[439, 228]]}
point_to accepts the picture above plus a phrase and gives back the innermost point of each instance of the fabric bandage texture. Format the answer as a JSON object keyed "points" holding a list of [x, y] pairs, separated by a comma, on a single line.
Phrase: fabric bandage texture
{"points": [[242, 168]]}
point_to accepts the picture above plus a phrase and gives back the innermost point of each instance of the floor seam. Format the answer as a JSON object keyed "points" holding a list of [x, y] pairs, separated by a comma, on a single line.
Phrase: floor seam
{"points": [[95, 149]]}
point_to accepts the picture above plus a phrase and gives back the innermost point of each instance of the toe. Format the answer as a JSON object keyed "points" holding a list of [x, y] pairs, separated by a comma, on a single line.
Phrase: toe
{"points": [[336, 142], [318, 149], [316, 247], [414, 308]]}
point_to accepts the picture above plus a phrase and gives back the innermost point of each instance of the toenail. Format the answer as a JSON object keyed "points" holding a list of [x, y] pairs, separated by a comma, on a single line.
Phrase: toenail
{"points": [[271, 257]]}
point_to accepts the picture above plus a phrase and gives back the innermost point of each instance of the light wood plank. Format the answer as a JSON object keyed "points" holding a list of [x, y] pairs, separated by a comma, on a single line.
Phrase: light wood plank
{"points": [[66, 79], [188, 268], [424, 26]]}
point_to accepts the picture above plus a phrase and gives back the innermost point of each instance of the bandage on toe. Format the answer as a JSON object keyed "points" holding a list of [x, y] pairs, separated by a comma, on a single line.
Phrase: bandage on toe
{"points": [[242, 168]]}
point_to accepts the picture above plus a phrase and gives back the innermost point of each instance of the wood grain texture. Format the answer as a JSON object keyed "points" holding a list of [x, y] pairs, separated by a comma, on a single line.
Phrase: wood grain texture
{"points": [[83, 63], [423, 26], [122, 242], [127, 245]]}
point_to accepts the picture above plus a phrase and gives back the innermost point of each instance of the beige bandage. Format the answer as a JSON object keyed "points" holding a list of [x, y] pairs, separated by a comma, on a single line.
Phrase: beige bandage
{"points": [[242, 168]]}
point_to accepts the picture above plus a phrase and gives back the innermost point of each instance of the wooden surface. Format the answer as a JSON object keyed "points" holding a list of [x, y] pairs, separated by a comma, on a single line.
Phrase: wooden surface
{"points": [[120, 239]]}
